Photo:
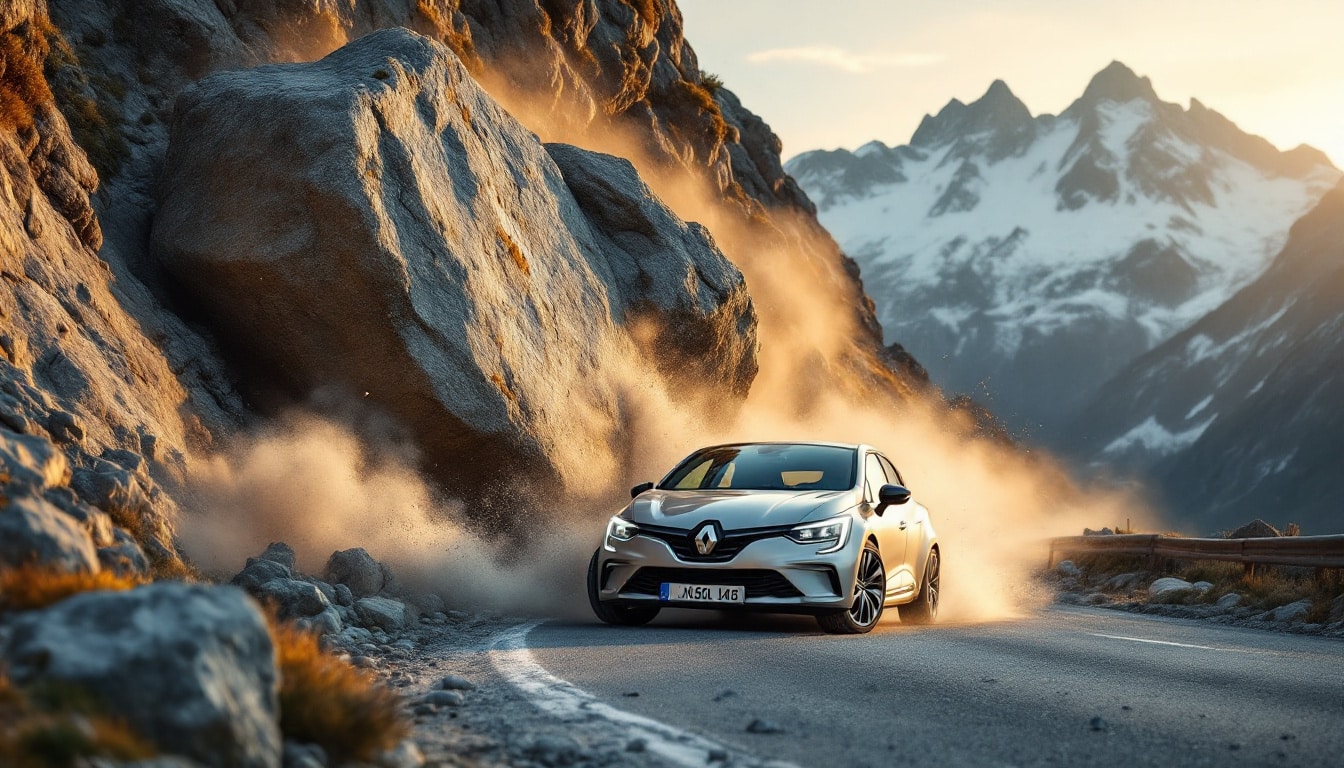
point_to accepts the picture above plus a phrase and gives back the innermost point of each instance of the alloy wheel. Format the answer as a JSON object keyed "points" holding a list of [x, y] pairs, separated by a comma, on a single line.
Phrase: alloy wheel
{"points": [[870, 590]]}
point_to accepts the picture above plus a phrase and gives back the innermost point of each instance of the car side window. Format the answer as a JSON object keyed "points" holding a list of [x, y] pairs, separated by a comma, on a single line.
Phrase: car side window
{"points": [[892, 475], [874, 478]]}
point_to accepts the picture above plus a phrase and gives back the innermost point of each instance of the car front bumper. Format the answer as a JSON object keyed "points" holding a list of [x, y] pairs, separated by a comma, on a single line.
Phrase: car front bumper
{"points": [[779, 574]]}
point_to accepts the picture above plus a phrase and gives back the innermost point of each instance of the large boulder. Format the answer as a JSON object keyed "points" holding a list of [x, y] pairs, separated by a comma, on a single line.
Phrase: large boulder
{"points": [[190, 667], [374, 221]]}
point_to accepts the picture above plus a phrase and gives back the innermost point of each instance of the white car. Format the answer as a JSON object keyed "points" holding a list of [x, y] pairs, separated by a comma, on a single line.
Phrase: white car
{"points": [[820, 528]]}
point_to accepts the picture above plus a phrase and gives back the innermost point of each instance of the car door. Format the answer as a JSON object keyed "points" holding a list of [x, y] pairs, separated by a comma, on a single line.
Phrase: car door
{"points": [[891, 536], [910, 518]]}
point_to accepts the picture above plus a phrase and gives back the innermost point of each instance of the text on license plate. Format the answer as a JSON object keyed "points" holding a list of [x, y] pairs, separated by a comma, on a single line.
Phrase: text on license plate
{"points": [[701, 593]]}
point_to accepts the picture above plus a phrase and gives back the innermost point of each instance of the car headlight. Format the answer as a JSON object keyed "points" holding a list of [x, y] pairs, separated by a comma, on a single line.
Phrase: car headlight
{"points": [[619, 529], [833, 532]]}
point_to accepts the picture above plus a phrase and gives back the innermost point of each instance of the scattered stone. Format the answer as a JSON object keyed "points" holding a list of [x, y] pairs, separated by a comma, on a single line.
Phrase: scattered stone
{"points": [[764, 726], [364, 662], [293, 599], [1168, 585], [328, 622], [1202, 586], [258, 572], [631, 694], [65, 427], [33, 530], [357, 570], [1067, 568], [191, 667], [458, 615], [427, 604], [1292, 612], [445, 699], [1098, 724], [382, 612], [327, 590], [32, 462], [344, 597], [1256, 529], [277, 552], [456, 683], [1096, 598], [636, 746], [1229, 601]]}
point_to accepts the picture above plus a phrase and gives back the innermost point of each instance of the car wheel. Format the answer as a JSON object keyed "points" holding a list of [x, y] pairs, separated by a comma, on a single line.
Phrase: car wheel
{"points": [[628, 616], [870, 592], [924, 610]]}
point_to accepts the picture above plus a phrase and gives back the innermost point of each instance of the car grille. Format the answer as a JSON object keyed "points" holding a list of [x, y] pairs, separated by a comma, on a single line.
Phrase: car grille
{"points": [[758, 582], [683, 546]]}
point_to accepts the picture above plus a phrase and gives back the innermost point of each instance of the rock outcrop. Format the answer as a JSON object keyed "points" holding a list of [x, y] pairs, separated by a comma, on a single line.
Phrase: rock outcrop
{"points": [[76, 366], [192, 668], [375, 221]]}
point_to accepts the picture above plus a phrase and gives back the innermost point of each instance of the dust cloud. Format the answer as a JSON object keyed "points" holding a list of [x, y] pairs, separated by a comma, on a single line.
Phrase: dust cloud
{"points": [[312, 482]]}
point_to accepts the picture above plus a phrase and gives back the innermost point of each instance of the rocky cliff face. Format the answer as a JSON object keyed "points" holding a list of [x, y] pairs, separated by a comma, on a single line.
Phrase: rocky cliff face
{"points": [[374, 221], [87, 360]]}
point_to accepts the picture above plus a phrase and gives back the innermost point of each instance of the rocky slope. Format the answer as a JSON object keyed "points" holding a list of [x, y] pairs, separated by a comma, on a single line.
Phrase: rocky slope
{"points": [[86, 358], [1030, 258], [1239, 415], [375, 222]]}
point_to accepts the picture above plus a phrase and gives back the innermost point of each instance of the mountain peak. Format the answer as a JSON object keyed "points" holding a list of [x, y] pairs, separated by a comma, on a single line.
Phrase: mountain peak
{"points": [[1118, 82], [998, 111]]}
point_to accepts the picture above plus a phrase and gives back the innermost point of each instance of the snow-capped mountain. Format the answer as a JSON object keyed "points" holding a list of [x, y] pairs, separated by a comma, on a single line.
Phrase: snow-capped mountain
{"points": [[1027, 259], [1242, 414]]}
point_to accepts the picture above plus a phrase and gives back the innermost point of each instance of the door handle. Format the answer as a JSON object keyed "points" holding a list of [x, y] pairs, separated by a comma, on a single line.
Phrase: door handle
{"points": [[903, 524]]}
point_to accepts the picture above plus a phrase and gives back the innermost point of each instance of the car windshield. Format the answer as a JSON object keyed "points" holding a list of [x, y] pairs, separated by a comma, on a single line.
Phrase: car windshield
{"points": [[770, 467]]}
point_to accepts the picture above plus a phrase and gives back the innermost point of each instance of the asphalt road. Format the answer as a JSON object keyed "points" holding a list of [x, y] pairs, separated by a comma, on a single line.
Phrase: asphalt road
{"points": [[1022, 692]]}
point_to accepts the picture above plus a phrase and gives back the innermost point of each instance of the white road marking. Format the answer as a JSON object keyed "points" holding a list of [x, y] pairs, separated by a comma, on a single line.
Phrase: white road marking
{"points": [[1168, 642], [567, 702]]}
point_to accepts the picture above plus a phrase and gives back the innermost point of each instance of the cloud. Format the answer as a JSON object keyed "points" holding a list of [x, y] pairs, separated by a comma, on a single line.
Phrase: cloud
{"points": [[845, 61]]}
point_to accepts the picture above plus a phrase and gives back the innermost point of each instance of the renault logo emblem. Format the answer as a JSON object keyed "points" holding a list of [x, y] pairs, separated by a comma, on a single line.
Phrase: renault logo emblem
{"points": [[706, 539]]}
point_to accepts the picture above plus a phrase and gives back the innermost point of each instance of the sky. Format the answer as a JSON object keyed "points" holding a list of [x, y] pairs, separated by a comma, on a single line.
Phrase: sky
{"points": [[871, 69]]}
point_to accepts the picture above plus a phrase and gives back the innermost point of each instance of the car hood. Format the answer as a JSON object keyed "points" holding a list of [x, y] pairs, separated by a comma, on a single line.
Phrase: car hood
{"points": [[737, 509]]}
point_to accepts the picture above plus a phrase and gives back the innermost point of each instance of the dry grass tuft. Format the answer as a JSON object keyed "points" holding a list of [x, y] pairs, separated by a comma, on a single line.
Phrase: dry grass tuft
{"points": [[60, 731], [23, 86], [515, 252], [326, 701], [31, 587]]}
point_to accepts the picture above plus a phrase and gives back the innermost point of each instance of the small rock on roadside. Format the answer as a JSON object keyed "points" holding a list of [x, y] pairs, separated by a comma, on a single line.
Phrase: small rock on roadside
{"points": [[1098, 724], [445, 699], [636, 745], [1167, 585], [1229, 601], [456, 683], [1291, 612], [1067, 568], [404, 755]]}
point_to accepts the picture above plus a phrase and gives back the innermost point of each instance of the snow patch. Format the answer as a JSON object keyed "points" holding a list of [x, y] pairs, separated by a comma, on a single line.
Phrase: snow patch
{"points": [[1154, 438]]}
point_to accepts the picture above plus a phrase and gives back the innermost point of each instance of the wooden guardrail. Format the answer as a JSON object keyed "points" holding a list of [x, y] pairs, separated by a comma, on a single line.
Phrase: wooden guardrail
{"points": [[1304, 551]]}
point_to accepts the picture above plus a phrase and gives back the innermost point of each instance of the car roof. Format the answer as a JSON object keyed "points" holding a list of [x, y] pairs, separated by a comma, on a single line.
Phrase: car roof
{"points": [[852, 446]]}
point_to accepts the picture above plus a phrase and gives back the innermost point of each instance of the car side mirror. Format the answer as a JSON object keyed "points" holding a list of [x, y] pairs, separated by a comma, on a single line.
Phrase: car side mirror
{"points": [[889, 495], [642, 487]]}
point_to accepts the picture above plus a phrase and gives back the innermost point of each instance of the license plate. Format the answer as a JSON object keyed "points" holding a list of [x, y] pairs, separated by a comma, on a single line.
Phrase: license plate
{"points": [[701, 593]]}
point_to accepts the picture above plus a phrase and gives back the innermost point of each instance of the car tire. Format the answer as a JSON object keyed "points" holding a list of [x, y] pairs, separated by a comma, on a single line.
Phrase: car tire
{"points": [[621, 615], [924, 610], [870, 591]]}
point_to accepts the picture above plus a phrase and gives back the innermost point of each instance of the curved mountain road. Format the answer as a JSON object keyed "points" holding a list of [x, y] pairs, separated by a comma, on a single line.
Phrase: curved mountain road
{"points": [[1022, 692]]}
